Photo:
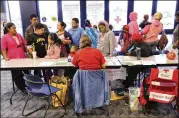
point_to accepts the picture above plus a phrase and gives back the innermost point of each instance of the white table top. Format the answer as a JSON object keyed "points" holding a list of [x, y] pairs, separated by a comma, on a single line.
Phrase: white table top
{"points": [[152, 60], [48, 63]]}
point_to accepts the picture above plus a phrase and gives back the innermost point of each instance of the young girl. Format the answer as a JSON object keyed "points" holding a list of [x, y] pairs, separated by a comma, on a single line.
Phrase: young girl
{"points": [[54, 43], [53, 52], [73, 51]]}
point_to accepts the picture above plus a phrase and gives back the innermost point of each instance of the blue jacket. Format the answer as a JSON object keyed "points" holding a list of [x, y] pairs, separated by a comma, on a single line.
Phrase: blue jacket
{"points": [[90, 89], [93, 36]]}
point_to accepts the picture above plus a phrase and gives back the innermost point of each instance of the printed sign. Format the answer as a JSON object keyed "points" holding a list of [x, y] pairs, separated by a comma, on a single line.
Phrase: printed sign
{"points": [[165, 74], [114, 74], [161, 97]]}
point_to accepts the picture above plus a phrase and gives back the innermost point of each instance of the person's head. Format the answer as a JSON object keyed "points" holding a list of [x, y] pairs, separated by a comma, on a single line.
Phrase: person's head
{"points": [[125, 28], [177, 16], [87, 23], [95, 26], [10, 28], [75, 22], [73, 49], [146, 17], [4, 24], [158, 16], [33, 19], [103, 26], [85, 42], [136, 38], [61, 26], [39, 29], [53, 39], [133, 16], [110, 27]]}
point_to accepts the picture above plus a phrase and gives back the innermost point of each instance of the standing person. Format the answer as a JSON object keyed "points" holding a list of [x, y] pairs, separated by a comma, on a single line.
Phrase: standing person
{"points": [[133, 25], [13, 46], [31, 28], [91, 33], [106, 43], [152, 31], [38, 42], [144, 22], [76, 32], [176, 32], [65, 38]]}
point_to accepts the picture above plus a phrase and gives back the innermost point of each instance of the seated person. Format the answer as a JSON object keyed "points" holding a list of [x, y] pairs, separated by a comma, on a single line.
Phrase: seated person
{"points": [[88, 58], [138, 42], [54, 43], [73, 50]]}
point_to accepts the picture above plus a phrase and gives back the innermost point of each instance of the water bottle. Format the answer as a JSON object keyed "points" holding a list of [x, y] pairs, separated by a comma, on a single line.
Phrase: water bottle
{"points": [[138, 53], [69, 58]]}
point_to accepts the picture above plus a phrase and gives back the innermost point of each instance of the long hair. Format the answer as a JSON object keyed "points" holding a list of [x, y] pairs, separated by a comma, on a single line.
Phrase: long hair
{"points": [[85, 42], [55, 38], [7, 27]]}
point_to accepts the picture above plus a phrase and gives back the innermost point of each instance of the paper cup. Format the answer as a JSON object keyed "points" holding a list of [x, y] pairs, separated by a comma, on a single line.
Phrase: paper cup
{"points": [[34, 54]]}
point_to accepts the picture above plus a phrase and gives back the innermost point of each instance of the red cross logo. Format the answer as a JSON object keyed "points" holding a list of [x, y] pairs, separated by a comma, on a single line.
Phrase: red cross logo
{"points": [[117, 19], [166, 71]]}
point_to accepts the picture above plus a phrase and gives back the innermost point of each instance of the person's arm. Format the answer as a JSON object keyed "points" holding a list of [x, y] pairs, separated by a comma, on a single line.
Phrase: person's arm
{"points": [[176, 44], [4, 47], [145, 30], [26, 33], [75, 60], [68, 39], [102, 60], [30, 42], [112, 43], [56, 53]]}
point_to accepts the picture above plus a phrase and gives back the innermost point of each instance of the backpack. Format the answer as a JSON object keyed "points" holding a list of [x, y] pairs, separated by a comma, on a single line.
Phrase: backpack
{"points": [[163, 85], [163, 41], [124, 38]]}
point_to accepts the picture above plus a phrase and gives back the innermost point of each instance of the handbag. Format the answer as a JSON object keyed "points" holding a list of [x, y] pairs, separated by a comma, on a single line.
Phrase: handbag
{"points": [[163, 41], [61, 83]]}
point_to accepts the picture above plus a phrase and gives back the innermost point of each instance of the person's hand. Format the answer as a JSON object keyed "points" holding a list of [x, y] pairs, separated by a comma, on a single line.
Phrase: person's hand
{"points": [[6, 59]]}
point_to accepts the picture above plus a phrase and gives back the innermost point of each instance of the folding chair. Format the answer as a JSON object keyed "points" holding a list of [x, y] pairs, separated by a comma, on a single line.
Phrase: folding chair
{"points": [[37, 88]]}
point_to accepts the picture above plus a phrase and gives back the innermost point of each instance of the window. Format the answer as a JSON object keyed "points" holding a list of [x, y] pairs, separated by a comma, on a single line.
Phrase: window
{"points": [[15, 15], [167, 8], [142, 8], [71, 9], [48, 14], [95, 11], [118, 14]]}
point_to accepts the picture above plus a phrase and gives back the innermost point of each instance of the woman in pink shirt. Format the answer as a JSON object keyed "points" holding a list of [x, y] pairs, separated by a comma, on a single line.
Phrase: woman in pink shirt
{"points": [[152, 31], [13, 46]]}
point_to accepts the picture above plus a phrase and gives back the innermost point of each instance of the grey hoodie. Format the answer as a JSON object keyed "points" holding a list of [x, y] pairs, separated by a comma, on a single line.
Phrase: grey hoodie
{"points": [[108, 47]]}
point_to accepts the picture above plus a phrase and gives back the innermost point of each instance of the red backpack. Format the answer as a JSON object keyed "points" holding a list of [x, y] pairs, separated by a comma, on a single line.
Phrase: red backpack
{"points": [[124, 38], [163, 85]]}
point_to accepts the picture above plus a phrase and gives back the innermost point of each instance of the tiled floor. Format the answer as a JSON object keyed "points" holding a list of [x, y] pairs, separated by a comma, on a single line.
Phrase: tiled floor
{"points": [[117, 109]]}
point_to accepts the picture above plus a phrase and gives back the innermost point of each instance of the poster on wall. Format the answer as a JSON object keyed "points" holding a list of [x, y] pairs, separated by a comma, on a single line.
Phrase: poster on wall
{"points": [[95, 11], [70, 10]]}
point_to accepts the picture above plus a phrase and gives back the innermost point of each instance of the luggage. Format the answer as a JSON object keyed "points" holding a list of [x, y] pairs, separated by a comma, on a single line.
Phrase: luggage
{"points": [[60, 82]]}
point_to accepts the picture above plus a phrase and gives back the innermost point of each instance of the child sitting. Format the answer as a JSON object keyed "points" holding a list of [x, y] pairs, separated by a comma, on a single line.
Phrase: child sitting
{"points": [[137, 41], [73, 51], [53, 51]]}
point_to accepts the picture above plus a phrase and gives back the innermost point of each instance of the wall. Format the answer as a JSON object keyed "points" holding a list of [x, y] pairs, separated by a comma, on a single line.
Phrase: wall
{"points": [[27, 8]]}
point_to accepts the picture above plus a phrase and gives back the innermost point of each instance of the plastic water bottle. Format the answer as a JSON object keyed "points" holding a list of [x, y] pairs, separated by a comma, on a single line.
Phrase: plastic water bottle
{"points": [[69, 58], [138, 51]]}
